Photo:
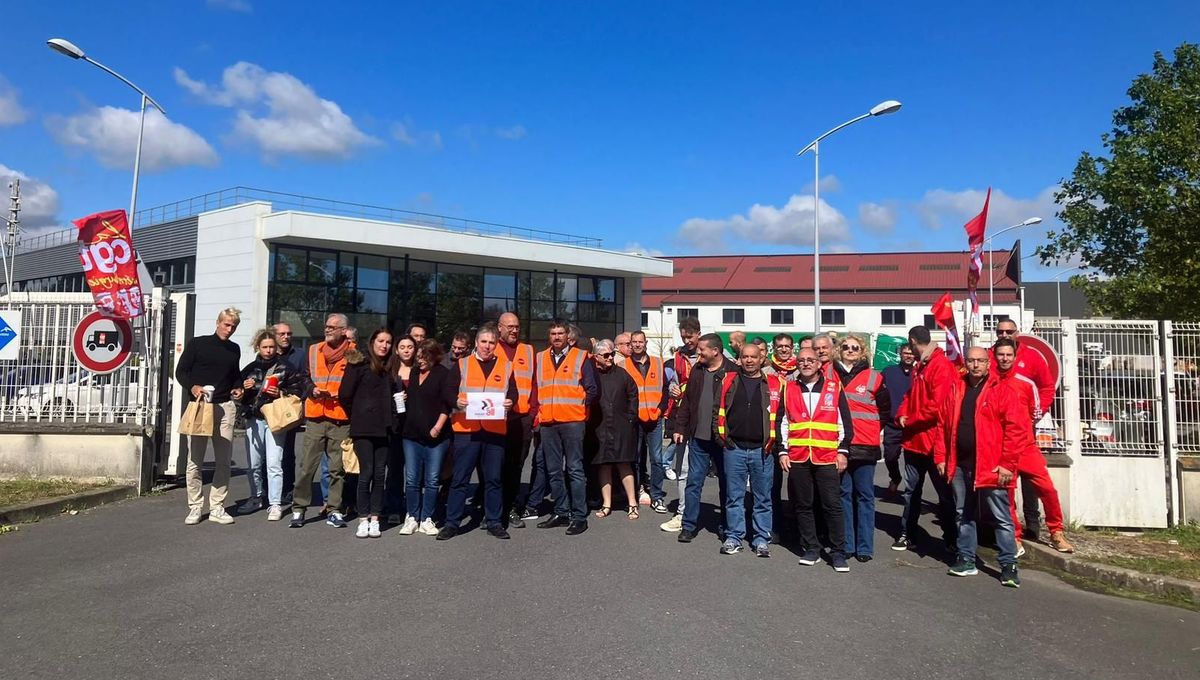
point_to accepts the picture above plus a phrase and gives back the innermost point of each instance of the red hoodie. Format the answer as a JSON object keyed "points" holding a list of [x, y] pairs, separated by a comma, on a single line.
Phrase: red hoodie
{"points": [[1003, 430], [931, 385]]}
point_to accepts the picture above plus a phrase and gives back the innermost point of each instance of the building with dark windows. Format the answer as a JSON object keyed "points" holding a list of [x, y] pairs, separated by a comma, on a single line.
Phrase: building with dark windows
{"points": [[281, 257]]}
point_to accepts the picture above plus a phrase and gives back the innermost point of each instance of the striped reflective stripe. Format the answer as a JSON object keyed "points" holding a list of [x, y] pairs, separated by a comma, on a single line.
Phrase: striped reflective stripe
{"points": [[812, 425], [814, 443]]}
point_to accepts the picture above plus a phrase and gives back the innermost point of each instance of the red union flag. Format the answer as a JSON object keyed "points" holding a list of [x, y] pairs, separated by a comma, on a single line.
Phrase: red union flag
{"points": [[943, 314], [976, 230], [109, 263]]}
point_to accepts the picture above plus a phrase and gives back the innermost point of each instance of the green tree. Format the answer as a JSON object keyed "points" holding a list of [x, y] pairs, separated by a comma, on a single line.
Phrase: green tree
{"points": [[1134, 216]]}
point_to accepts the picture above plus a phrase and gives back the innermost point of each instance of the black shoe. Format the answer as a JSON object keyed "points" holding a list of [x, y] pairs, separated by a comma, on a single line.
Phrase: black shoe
{"points": [[902, 543], [576, 527], [515, 521], [447, 532], [863, 558], [297, 520], [496, 530], [686, 536], [553, 521], [1009, 577]]}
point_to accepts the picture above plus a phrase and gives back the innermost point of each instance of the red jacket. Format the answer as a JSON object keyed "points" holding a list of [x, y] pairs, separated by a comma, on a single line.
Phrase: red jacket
{"points": [[1025, 389], [1003, 430], [1031, 364], [931, 384]]}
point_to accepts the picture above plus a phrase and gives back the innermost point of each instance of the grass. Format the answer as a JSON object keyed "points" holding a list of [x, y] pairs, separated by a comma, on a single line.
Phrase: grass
{"points": [[1166, 552], [27, 489]]}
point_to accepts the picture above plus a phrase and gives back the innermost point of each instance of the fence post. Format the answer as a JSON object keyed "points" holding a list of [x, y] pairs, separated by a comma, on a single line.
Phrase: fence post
{"points": [[1072, 422], [1169, 418]]}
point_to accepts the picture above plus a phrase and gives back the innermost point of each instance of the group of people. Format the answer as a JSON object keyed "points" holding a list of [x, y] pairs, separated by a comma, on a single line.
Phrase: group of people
{"points": [[593, 410]]}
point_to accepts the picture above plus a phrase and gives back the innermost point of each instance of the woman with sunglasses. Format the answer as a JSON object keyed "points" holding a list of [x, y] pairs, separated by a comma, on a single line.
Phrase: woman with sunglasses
{"points": [[868, 398], [613, 419]]}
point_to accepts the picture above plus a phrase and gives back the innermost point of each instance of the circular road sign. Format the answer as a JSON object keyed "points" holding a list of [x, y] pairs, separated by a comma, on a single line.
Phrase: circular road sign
{"points": [[102, 344], [1042, 347]]}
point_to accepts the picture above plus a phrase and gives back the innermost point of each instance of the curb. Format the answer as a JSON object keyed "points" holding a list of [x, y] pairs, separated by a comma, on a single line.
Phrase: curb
{"points": [[35, 510], [1165, 587]]}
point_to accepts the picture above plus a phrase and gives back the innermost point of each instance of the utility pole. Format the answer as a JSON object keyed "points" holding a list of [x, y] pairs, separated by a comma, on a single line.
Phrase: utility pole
{"points": [[8, 246]]}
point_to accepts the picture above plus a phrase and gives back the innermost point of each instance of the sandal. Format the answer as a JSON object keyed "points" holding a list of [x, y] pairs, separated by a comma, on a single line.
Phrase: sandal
{"points": [[633, 512], [603, 512]]}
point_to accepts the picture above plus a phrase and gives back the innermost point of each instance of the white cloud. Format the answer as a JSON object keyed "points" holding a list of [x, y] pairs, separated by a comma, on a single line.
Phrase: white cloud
{"points": [[39, 201], [11, 112], [940, 207], [111, 134], [635, 248], [791, 225], [280, 114], [511, 133], [878, 217], [407, 134], [231, 5], [829, 184]]}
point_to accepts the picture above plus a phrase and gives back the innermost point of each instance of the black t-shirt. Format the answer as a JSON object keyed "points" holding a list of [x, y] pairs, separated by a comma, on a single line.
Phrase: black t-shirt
{"points": [[966, 426]]}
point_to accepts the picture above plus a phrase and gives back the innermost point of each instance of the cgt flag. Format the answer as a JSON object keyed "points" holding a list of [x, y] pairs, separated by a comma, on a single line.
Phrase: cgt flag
{"points": [[109, 263], [943, 314], [976, 230]]}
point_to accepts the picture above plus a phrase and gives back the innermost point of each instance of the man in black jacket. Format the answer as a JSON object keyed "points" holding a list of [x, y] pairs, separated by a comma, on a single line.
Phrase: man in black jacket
{"points": [[294, 358], [695, 422]]}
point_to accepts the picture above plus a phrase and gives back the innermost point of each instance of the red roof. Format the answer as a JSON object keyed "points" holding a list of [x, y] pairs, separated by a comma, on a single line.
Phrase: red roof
{"points": [[845, 277]]}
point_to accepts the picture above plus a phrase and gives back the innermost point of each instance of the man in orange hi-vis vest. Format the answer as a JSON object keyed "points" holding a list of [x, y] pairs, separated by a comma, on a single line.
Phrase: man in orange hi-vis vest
{"points": [[564, 387], [520, 423], [650, 376]]}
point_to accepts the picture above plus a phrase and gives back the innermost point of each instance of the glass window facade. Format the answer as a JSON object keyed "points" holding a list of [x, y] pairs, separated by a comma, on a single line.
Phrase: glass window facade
{"points": [[179, 273], [307, 284]]}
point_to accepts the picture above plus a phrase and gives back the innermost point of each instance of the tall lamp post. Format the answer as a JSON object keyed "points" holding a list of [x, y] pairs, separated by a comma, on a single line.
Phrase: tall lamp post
{"points": [[66, 47], [992, 271], [881, 109], [1058, 286]]}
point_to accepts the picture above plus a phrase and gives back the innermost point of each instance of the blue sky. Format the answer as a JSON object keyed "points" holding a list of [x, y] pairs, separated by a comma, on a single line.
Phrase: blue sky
{"points": [[663, 127]]}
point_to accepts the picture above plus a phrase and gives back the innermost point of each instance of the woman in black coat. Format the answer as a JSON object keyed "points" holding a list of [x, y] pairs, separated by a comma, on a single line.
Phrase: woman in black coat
{"points": [[615, 417], [366, 394]]}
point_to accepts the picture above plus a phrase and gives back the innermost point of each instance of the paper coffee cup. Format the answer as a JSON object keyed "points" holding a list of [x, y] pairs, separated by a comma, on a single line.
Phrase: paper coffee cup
{"points": [[208, 392], [399, 398]]}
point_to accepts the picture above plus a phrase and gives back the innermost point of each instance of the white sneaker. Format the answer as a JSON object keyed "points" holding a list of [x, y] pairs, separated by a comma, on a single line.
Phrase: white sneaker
{"points": [[364, 529], [219, 516], [373, 529], [409, 526], [428, 528], [673, 524], [671, 474], [644, 498], [275, 513], [193, 516]]}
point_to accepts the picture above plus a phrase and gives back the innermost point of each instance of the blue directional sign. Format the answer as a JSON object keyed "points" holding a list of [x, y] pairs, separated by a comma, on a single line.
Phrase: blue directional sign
{"points": [[10, 333]]}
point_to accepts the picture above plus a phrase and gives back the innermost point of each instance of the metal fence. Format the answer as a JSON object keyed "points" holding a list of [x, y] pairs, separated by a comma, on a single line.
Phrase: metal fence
{"points": [[46, 384]]}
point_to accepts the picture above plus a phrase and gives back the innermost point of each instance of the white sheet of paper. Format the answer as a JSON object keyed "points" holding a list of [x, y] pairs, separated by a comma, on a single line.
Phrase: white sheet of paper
{"points": [[485, 406]]}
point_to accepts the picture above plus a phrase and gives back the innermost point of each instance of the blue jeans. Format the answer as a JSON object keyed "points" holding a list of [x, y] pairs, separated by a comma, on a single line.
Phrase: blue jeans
{"points": [[652, 440], [916, 467], [858, 506], [966, 503], [262, 443], [759, 468], [703, 454], [422, 469], [485, 447], [562, 448]]}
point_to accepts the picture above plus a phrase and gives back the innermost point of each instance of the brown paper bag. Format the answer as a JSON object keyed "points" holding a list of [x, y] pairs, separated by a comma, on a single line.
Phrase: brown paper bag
{"points": [[349, 457], [197, 420], [284, 413]]}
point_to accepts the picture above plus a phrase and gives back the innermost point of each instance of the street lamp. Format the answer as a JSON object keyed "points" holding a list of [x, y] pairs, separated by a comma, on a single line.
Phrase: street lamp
{"points": [[991, 270], [1058, 286], [69, 49], [880, 109]]}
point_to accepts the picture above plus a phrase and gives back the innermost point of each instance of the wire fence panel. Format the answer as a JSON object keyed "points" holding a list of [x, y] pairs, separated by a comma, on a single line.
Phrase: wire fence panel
{"points": [[1185, 378], [1120, 395], [46, 383], [1053, 436]]}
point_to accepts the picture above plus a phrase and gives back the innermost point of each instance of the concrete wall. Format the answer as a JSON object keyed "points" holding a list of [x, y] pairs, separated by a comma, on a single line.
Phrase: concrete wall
{"points": [[81, 456], [1189, 489]]}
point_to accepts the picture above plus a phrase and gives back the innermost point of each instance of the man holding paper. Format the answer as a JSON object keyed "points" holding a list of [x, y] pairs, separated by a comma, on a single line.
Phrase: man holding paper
{"points": [[486, 391]]}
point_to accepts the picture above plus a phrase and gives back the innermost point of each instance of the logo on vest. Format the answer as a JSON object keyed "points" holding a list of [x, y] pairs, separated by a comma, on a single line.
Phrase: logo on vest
{"points": [[862, 389], [829, 400]]}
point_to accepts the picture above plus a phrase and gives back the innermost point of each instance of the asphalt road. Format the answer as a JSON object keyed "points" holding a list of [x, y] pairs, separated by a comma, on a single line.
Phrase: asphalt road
{"points": [[128, 591]]}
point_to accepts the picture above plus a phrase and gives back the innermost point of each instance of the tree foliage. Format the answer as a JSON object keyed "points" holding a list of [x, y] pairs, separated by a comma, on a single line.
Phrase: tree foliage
{"points": [[1134, 216]]}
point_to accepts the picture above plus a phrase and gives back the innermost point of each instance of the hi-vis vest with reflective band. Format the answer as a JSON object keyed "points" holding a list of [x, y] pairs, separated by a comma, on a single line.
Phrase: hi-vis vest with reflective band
{"points": [[813, 435], [522, 366], [775, 387], [683, 370], [328, 379], [473, 380], [561, 397], [861, 394], [649, 388]]}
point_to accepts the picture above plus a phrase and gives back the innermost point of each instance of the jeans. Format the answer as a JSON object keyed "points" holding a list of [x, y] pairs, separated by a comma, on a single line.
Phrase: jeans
{"points": [[372, 455], [858, 505], [422, 467], [487, 448], [681, 478], [224, 414], [966, 503], [759, 468], [562, 443], [322, 440], [916, 467], [703, 454], [805, 478], [651, 440], [264, 445]]}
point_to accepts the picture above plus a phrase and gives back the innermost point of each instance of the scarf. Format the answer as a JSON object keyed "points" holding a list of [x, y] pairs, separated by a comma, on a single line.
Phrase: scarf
{"points": [[788, 366], [333, 355]]}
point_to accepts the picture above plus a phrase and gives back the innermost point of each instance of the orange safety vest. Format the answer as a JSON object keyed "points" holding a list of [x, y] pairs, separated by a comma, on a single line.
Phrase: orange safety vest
{"points": [[522, 364], [561, 397], [650, 390], [813, 435], [774, 386], [861, 394], [328, 378], [473, 380]]}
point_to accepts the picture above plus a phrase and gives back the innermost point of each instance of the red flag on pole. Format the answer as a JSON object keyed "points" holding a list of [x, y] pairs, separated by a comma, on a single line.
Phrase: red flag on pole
{"points": [[109, 263], [943, 314], [976, 229]]}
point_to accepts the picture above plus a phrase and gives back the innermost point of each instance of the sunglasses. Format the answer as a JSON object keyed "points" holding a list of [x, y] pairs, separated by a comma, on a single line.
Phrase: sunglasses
{"points": [[606, 355], [1005, 331], [850, 348]]}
